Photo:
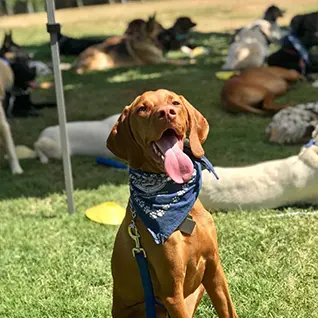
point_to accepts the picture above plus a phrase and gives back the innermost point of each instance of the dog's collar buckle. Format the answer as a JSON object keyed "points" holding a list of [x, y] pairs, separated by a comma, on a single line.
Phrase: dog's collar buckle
{"points": [[187, 226], [134, 234]]}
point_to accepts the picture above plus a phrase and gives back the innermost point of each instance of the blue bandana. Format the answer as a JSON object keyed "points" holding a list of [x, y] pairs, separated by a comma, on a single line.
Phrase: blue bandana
{"points": [[160, 203], [299, 47]]}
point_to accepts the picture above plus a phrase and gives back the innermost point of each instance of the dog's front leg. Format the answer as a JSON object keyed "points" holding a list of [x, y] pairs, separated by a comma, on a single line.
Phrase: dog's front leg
{"points": [[176, 305], [9, 144], [215, 283]]}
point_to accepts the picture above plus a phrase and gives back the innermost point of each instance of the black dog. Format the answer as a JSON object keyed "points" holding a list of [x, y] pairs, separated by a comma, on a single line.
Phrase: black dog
{"points": [[272, 13], [18, 101], [177, 36], [10, 47], [294, 53], [74, 46]]}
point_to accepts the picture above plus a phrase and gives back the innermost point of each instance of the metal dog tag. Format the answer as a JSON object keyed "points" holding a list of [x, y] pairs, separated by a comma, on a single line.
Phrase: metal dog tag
{"points": [[187, 225]]}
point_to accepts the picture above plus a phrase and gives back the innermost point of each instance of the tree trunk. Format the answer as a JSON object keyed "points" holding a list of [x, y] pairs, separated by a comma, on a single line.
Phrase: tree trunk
{"points": [[80, 3], [30, 7], [9, 7]]}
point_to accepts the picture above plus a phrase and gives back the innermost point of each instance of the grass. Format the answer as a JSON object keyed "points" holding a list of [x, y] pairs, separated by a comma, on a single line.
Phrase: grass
{"points": [[53, 265]]}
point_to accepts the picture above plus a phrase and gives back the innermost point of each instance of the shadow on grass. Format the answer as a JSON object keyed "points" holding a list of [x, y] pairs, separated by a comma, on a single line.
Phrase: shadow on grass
{"points": [[233, 139]]}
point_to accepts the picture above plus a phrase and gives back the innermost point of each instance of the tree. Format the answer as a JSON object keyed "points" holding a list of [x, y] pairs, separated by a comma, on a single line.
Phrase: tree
{"points": [[9, 6], [79, 3], [39, 5]]}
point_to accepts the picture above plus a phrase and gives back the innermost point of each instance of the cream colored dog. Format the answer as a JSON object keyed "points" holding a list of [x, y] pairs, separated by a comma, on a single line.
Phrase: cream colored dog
{"points": [[266, 185], [85, 138], [6, 82], [250, 46]]}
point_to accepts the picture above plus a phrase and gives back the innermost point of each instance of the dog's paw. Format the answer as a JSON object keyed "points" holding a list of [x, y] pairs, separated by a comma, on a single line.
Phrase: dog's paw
{"points": [[44, 160], [17, 169]]}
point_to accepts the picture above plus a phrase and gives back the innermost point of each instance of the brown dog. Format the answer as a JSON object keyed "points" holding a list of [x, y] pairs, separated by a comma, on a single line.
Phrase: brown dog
{"points": [[138, 46], [149, 135], [254, 90]]}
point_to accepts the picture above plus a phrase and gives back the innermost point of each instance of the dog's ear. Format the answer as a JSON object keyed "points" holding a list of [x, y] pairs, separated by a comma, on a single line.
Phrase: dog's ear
{"points": [[6, 40], [199, 129], [121, 141], [151, 23]]}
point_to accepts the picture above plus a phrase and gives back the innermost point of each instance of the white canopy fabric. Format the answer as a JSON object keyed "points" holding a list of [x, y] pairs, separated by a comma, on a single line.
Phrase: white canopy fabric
{"points": [[58, 82]]}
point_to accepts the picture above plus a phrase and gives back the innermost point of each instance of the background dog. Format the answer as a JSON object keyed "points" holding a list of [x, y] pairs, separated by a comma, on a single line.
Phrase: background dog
{"points": [[293, 124], [85, 138], [6, 82], [18, 101], [273, 13], [73, 46], [9, 48], [178, 35], [292, 56], [250, 46], [267, 185], [138, 46], [254, 90]]}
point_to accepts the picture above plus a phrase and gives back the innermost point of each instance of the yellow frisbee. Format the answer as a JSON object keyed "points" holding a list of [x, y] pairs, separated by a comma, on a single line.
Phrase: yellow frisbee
{"points": [[224, 75], [109, 213]]}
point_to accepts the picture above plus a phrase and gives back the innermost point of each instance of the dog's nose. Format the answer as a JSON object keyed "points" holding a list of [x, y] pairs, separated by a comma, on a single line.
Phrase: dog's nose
{"points": [[167, 112]]}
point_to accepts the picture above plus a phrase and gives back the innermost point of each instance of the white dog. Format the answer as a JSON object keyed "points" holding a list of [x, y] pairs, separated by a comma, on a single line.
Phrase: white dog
{"points": [[6, 82], [266, 185], [86, 138], [250, 45]]}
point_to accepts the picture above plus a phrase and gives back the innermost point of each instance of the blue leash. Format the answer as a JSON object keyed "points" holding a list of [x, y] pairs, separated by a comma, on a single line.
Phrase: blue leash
{"points": [[150, 301], [140, 255]]}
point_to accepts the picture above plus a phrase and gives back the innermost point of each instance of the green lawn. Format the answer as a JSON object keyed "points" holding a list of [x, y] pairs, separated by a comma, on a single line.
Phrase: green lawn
{"points": [[55, 265]]}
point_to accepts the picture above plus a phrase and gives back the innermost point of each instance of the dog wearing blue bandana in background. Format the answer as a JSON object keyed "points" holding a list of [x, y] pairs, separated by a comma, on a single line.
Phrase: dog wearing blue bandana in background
{"points": [[160, 135]]}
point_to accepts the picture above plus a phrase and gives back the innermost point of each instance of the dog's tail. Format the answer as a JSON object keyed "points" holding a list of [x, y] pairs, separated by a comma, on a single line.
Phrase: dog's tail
{"points": [[46, 148]]}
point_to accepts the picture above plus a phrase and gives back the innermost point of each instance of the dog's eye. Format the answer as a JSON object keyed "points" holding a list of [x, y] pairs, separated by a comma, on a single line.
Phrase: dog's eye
{"points": [[176, 103], [141, 109]]}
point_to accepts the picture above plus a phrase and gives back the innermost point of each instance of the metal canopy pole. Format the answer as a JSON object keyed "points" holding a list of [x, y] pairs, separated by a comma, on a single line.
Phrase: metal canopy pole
{"points": [[53, 28]]}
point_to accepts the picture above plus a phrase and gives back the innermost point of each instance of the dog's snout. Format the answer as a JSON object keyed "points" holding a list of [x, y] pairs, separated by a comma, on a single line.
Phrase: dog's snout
{"points": [[166, 112]]}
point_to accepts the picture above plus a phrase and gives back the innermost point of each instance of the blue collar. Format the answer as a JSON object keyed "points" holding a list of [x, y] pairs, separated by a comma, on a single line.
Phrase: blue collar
{"points": [[4, 61], [160, 203], [310, 143], [180, 36], [299, 47]]}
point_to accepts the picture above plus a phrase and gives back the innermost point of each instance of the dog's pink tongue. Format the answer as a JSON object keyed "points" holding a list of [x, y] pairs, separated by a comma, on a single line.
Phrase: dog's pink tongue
{"points": [[178, 165]]}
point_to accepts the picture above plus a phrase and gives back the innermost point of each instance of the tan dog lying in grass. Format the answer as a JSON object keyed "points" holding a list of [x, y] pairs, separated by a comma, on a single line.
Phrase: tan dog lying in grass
{"points": [[254, 90], [149, 135], [267, 185], [138, 46]]}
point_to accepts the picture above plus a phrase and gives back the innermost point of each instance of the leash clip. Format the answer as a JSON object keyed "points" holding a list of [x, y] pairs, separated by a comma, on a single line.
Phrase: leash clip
{"points": [[133, 233]]}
